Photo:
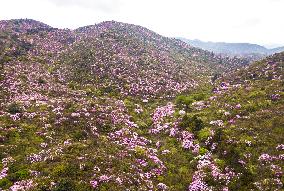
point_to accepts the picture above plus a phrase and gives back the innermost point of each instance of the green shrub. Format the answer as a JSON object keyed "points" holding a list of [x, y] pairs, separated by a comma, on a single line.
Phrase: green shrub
{"points": [[183, 100], [5, 183], [64, 170], [41, 80], [220, 163], [14, 108], [83, 186], [203, 134], [17, 172], [72, 85], [202, 151], [65, 185], [250, 107], [194, 123], [257, 94], [186, 120], [80, 134], [198, 123], [142, 124], [199, 96], [106, 128], [140, 151]]}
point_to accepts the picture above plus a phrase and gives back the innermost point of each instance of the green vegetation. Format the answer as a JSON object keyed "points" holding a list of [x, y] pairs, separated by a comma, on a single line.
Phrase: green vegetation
{"points": [[105, 108]]}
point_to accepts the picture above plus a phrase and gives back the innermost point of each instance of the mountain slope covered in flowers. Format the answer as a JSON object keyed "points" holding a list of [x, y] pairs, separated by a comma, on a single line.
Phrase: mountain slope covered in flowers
{"points": [[116, 106]]}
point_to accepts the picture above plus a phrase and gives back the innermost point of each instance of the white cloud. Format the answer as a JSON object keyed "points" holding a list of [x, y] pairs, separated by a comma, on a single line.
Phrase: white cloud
{"points": [[98, 5], [255, 21]]}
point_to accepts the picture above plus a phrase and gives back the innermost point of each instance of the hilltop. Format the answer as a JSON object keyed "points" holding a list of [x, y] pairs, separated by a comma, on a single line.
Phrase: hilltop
{"points": [[116, 106]]}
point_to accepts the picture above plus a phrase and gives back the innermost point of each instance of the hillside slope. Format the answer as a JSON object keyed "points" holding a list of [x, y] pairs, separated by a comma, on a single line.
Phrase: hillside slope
{"points": [[118, 107], [133, 60], [122, 58], [242, 124]]}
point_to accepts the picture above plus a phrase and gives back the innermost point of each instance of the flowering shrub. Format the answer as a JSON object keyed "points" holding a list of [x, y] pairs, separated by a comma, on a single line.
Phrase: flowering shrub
{"points": [[118, 107]]}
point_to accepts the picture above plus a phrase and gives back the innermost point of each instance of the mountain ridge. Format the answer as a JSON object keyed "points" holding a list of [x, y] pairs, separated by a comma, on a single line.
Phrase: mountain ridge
{"points": [[233, 48]]}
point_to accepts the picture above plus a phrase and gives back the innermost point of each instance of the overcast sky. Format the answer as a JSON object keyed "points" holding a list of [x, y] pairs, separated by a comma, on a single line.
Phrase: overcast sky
{"points": [[254, 21]]}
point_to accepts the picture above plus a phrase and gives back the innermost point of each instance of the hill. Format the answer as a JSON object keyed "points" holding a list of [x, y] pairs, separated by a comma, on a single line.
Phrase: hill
{"points": [[150, 64], [115, 106], [125, 59]]}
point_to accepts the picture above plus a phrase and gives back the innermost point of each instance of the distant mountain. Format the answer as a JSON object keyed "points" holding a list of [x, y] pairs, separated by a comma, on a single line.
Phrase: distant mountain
{"points": [[276, 50], [235, 49]]}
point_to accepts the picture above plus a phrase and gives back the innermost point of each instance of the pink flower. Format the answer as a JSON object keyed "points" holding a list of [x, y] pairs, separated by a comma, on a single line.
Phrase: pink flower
{"points": [[22, 185], [265, 158], [181, 112], [280, 147], [165, 152], [75, 114], [104, 178], [162, 186], [217, 123], [94, 183], [158, 144], [118, 180], [238, 106], [3, 172]]}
